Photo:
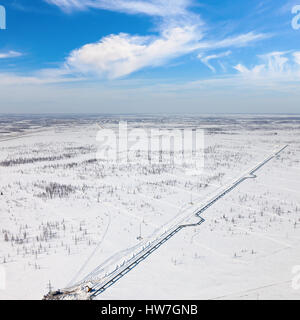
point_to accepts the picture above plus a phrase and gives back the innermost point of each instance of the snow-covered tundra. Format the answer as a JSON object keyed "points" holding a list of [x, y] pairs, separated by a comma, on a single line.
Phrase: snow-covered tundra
{"points": [[67, 215]]}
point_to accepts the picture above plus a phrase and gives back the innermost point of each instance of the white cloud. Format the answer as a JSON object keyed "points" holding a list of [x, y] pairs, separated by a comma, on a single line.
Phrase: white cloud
{"points": [[254, 71], [150, 7], [241, 40], [297, 57], [119, 55], [207, 59], [41, 77], [10, 54], [275, 66], [168, 13]]}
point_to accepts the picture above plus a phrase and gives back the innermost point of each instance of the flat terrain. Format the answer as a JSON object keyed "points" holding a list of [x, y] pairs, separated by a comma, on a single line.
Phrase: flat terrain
{"points": [[64, 212]]}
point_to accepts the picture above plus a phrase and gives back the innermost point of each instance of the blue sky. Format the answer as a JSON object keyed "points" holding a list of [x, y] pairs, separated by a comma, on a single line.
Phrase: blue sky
{"points": [[127, 56]]}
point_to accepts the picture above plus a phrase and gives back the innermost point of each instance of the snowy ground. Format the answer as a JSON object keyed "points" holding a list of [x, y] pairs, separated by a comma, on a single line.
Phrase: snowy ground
{"points": [[63, 212]]}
